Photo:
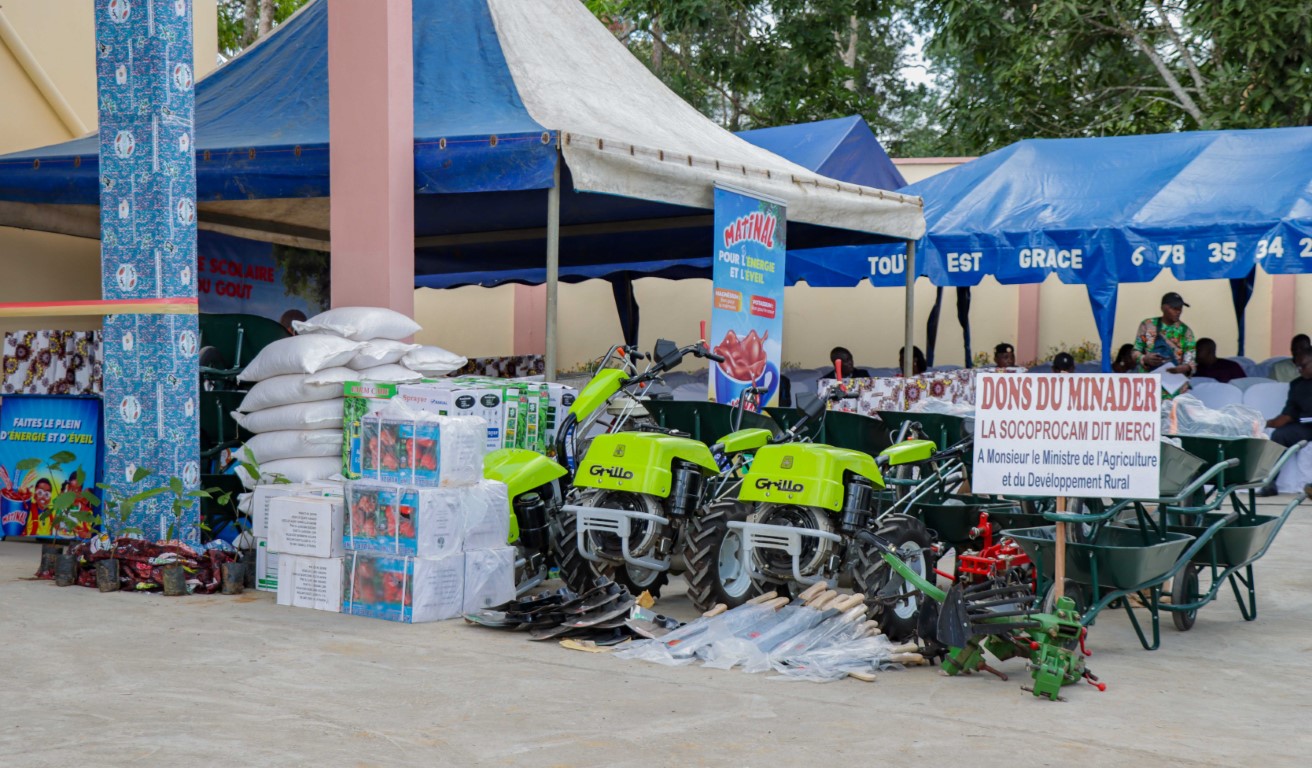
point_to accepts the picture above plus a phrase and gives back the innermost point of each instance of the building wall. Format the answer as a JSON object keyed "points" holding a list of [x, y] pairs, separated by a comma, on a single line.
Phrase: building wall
{"points": [[60, 35]]}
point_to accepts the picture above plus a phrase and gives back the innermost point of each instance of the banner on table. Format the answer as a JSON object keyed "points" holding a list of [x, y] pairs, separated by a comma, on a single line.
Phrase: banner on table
{"points": [[747, 310], [44, 442], [1080, 435]]}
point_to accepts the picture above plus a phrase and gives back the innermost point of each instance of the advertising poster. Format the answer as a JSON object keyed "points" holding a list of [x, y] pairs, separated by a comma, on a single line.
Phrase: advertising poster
{"points": [[235, 275], [1074, 435], [747, 311], [44, 441]]}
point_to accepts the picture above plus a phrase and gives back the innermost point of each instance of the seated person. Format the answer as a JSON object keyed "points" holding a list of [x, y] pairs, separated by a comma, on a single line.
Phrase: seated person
{"points": [[1286, 371], [1124, 362], [850, 371], [1211, 366], [918, 364], [1294, 423], [1004, 355], [1063, 362]]}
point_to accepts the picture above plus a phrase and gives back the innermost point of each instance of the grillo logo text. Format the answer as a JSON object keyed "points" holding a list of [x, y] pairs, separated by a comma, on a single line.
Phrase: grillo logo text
{"points": [[618, 473], [787, 486]]}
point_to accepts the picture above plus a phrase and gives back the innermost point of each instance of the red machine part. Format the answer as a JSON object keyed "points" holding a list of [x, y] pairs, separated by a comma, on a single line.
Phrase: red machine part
{"points": [[992, 559]]}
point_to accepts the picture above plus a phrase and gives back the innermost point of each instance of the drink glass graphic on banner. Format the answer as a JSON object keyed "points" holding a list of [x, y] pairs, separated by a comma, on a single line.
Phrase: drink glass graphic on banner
{"points": [[13, 511], [745, 364]]}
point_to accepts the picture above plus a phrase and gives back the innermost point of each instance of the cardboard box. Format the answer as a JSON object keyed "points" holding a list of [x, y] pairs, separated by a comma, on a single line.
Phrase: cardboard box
{"points": [[429, 451], [263, 496], [455, 398], [559, 400], [487, 516], [311, 582], [489, 578], [405, 520], [362, 399], [266, 567], [311, 526], [404, 589]]}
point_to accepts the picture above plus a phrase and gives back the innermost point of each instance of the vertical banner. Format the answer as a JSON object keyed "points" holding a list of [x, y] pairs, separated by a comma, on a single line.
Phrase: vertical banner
{"points": [[1079, 435], [747, 311], [145, 90], [48, 445]]}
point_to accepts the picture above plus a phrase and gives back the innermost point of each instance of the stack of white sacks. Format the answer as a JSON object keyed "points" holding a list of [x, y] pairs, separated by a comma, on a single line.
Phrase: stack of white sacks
{"points": [[295, 407], [426, 546]]}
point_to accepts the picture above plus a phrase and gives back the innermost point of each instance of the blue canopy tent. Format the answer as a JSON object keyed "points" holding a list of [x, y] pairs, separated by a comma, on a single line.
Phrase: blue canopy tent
{"points": [[843, 148], [1104, 211], [521, 111]]}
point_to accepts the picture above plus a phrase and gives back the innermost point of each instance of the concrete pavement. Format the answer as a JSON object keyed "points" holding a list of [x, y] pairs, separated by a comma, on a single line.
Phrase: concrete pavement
{"points": [[123, 679]]}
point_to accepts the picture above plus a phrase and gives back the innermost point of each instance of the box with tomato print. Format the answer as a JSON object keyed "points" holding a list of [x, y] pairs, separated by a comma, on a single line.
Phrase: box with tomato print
{"points": [[404, 589], [406, 520], [423, 449]]}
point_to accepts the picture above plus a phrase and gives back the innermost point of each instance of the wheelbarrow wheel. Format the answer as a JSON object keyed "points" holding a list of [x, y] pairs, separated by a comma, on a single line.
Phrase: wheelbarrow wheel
{"points": [[906, 473], [712, 555], [894, 603], [1082, 532], [1184, 590], [1074, 590]]}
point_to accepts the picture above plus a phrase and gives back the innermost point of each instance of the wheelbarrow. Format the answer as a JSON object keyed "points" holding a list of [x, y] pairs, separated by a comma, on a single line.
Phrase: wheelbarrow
{"points": [[1176, 539]]}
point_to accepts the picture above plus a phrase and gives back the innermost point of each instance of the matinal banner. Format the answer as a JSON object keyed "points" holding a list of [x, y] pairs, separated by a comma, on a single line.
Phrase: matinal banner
{"points": [[1080, 435], [44, 441], [747, 310]]}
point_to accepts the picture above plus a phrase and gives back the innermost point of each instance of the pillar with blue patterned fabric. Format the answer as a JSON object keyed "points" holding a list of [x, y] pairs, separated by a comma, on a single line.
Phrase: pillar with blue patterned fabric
{"points": [[148, 252]]}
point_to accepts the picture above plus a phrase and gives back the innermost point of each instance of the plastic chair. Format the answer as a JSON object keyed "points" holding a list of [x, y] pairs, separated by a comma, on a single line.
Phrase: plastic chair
{"points": [[1216, 394], [1267, 397], [1251, 381], [1263, 369], [1196, 380]]}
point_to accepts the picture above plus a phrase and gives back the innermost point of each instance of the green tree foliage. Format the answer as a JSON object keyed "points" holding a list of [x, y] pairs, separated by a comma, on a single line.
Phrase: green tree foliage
{"points": [[239, 21], [305, 273], [757, 63], [1015, 69]]}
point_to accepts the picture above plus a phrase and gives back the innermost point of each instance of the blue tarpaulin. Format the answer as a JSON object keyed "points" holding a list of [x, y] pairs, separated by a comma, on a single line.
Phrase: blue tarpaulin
{"points": [[1099, 212], [262, 120], [843, 148], [482, 159]]}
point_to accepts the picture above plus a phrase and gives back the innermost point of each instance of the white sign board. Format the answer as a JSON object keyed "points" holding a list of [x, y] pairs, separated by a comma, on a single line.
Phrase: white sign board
{"points": [[1083, 435]]}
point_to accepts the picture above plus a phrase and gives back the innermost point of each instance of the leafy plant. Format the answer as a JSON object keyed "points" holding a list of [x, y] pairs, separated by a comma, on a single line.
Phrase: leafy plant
{"points": [[74, 506]]}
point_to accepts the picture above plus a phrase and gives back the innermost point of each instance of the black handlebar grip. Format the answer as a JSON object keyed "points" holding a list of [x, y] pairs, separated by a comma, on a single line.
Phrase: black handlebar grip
{"points": [[709, 355]]}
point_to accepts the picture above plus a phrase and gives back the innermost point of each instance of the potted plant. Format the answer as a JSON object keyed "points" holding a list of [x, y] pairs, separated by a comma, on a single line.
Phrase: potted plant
{"points": [[74, 509]]}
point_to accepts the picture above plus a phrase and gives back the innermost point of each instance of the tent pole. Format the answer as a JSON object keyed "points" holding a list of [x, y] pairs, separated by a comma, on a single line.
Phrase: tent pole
{"points": [[910, 337], [553, 269]]}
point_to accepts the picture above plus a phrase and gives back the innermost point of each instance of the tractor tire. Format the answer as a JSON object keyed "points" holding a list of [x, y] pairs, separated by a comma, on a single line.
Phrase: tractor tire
{"points": [[638, 579], [711, 555], [576, 571], [910, 539]]}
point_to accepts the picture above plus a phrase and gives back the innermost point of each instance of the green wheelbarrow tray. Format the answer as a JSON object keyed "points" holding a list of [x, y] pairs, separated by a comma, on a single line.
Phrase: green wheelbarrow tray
{"points": [[943, 428], [1178, 468], [706, 422], [1123, 557], [853, 431], [1257, 456], [1235, 544], [954, 517]]}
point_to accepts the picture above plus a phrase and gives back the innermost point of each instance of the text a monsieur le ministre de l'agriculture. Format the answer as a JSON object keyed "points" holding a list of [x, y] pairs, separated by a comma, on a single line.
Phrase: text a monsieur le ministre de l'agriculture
{"points": [[1070, 408]]}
